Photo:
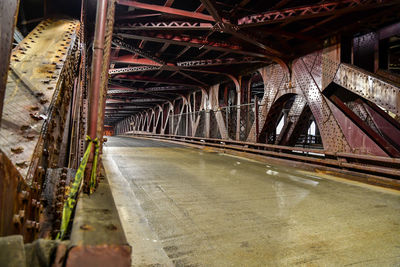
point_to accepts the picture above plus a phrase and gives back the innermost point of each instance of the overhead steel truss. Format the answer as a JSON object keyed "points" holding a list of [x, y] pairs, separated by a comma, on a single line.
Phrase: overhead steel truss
{"points": [[322, 9], [201, 43], [132, 69], [173, 25]]}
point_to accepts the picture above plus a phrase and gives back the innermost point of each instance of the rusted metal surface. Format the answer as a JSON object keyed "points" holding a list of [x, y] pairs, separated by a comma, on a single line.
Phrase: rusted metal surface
{"points": [[14, 200], [369, 86], [54, 190], [370, 141], [331, 133], [8, 15], [36, 107], [38, 91]]}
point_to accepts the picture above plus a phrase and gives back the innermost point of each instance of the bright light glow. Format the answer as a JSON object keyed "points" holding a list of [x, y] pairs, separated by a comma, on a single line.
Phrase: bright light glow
{"points": [[280, 125]]}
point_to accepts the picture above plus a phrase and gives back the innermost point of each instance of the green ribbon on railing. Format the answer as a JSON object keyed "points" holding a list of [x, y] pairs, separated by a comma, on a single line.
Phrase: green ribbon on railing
{"points": [[94, 168], [70, 203]]}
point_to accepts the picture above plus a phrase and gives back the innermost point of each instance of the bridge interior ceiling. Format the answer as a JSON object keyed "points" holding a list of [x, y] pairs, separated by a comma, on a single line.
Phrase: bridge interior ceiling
{"points": [[162, 50]]}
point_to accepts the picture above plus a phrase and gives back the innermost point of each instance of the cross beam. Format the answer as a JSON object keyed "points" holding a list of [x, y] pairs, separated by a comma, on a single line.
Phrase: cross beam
{"points": [[167, 10], [193, 42], [139, 78], [117, 88]]}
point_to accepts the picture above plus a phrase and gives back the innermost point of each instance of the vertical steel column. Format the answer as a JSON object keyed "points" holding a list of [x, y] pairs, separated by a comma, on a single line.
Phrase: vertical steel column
{"points": [[97, 63], [106, 64], [8, 19], [95, 83]]}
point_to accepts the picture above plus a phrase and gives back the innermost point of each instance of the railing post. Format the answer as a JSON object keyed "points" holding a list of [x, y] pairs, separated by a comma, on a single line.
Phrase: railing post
{"points": [[256, 118]]}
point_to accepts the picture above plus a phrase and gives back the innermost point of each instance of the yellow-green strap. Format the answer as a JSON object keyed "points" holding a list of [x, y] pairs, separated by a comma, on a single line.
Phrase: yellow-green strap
{"points": [[69, 204], [94, 168]]}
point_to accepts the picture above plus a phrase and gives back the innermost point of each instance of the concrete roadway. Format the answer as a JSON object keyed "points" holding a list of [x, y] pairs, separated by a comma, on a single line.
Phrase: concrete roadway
{"points": [[182, 206]]}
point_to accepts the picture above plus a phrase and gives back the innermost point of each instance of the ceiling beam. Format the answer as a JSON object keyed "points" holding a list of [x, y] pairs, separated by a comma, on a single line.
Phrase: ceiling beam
{"points": [[123, 88], [130, 48], [137, 100], [226, 27], [173, 25], [129, 59], [134, 16], [139, 78], [168, 3], [167, 10], [132, 69], [218, 62], [200, 8], [193, 42], [310, 11]]}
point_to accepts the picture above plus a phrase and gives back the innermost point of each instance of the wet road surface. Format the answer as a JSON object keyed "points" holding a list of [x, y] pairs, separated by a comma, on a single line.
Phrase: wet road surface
{"points": [[186, 207]]}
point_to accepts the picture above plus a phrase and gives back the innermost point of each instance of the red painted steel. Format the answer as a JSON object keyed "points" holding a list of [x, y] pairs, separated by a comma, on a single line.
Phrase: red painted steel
{"points": [[315, 10], [167, 10], [97, 64]]}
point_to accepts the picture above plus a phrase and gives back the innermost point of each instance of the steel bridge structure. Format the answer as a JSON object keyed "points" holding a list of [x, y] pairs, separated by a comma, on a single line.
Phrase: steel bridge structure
{"points": [[310, 84]]}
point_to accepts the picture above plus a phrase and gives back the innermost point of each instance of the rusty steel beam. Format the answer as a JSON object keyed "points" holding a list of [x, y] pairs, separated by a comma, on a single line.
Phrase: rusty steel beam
{"points": [[125, 107], [200, 8], [137, 16], [119, 88], [124, 91], [193, 42], [8, 18], [123, 45], [138, 100], [14, 193], [310, 11], [32, 132], [218, 62], [129, 59], [369, 86], [168, 3], [122, 111], [180, 66], [383, 144], [173, 25], [167, 10], [25, 125], [132, 69], [139, 78]]}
